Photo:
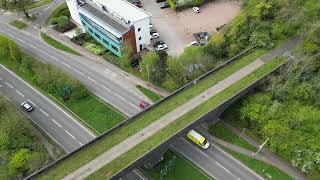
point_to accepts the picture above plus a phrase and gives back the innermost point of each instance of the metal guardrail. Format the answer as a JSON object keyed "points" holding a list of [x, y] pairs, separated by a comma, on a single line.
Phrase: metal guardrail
{"points": [[131, 119], [210, 116]]}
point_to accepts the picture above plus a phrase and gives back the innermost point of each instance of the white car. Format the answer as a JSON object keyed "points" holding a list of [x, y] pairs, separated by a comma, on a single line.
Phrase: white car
{"points": [[161, 47], [27, 106], [193, 43], [154, 35], [196, 9], [151, 26]]}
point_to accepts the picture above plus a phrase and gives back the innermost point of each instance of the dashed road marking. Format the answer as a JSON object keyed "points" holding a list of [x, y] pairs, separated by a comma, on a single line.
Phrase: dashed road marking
{"points": [[20, 93], [224, 168], [31, 102], [56, 123], [91, 79], [8, 84], [69, 134], [80, 143], [44, 112], [195, 148]]}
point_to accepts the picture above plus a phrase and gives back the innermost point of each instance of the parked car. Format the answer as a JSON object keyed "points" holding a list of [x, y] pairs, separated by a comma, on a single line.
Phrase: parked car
{"points": [[196, 9], [137, 4], [193, 43], [158, 43], [164, 5], [151, 26], [143, 104], [154, 35], [27, 106], [161, 47], [160, 1]]}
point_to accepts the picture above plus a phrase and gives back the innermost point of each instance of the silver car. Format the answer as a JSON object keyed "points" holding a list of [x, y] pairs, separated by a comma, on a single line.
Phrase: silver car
{"points": [[27, 106]]}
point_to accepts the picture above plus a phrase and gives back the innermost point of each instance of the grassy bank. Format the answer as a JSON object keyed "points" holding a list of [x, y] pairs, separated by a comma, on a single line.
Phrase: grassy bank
{"points": [[38, 4], [93, 113], [57, 12], [182, 169], [219, 131], [263, 169], [18, 24], [150, 94], [58, 45], [116, 137]]}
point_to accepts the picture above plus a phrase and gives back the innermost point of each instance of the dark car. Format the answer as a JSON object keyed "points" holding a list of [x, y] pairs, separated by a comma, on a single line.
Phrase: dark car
{"points": [[143, 104], [164, 5], [157, 43], [137, 4], [160, 1]]}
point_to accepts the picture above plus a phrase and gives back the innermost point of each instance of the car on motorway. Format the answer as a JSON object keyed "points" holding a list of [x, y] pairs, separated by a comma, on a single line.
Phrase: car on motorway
{"points": [[27, 106], [154, 35], [193, 43], [143, 104], [164, 5], [198, 139], [196, 9], [161, 47]]}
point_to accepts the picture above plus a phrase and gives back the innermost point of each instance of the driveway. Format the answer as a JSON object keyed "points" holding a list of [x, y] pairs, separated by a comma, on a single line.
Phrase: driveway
{"points": [[177, 28]]}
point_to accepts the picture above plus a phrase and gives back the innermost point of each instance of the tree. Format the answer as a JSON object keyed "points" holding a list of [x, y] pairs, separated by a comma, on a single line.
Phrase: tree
{"points": [[177, 71], [160, 69], [19, 163], [14, 50], [148, 64], [21, 6], [4, 46]]}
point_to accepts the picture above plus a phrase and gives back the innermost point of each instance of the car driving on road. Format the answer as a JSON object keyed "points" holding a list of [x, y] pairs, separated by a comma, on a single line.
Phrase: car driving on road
{"points": [[27, 106]]}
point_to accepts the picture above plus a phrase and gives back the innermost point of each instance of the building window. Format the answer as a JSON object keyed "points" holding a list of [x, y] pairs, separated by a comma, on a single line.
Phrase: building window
{"points": [[83, 23], [90, 30], [106, 42], [115, 48], [139, 38], [97, 35], [140, 47], [139, 29]]}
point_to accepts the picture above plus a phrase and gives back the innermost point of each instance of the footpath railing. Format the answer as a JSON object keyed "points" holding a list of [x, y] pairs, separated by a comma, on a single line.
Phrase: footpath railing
{"points": [[131, 119], [210, 116]]}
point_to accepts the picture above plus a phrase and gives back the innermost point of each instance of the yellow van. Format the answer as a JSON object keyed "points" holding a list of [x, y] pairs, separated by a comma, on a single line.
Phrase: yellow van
{"points": [[198, 139]]}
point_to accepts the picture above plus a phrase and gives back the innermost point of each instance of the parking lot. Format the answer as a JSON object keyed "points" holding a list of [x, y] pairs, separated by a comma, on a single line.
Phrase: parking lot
{"points": [[176, 29]]}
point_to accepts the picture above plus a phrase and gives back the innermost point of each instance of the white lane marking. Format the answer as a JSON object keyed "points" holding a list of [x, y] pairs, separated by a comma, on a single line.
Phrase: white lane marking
{"points": [[80, 143], [236, 160], [195, 147], [48, 100], [20, 93], [224, 168], [69, 134], [91, 79], [56, 123], [31, 102], [44, 112], [138, 174], [8, 84], [66, 65]]}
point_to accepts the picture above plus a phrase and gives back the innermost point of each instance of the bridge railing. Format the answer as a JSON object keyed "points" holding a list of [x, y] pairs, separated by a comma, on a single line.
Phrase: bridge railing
{"points": [[131, 119]]}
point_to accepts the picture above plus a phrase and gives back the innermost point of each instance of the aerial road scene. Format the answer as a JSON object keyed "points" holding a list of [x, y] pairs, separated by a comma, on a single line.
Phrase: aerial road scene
{"points": [[159, 89]]}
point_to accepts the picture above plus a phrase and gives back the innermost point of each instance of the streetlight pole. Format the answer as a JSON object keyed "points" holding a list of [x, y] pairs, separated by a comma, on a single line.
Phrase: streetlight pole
{"points": [[260, 147]]}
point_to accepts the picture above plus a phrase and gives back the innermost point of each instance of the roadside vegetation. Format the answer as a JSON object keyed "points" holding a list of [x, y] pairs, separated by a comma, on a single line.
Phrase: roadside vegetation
{"points": [[66, 90], [18, 24], [60, 18], [151, 95], [57, 44], [21, 151], [219, 131], [174, 166], [38, 4]]}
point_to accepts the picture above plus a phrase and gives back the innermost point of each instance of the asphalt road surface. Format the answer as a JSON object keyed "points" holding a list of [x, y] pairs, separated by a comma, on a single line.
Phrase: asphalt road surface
{"points": [[214, 161], [90, 73], [136, 174], [59, 125]]}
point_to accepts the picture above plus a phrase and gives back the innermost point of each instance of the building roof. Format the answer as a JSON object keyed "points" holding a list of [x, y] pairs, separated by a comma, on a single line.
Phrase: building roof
{"points": [[105, 18], [125, 9]]}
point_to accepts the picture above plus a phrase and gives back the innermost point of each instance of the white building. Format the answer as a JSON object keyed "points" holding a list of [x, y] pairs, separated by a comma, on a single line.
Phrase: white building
{"points": [[113, 23]]}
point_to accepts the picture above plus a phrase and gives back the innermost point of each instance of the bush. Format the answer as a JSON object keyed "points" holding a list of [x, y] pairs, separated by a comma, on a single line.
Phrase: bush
{"points": [[15, 53]]}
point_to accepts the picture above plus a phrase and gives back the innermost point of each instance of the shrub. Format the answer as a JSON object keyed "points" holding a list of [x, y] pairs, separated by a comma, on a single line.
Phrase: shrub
{"points": [[14, 50]]}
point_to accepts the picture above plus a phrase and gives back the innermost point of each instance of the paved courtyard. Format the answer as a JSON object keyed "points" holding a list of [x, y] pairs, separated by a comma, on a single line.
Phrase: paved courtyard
{"points": [[177, 28]]}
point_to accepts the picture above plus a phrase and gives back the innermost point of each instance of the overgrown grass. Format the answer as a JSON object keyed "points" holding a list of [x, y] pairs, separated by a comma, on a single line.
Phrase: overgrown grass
{"points": [[150, 94], [18, 24], [58, 45], [180, 123], [93, 113], [183, 169], [219, 131], [38, 4], [263, 169], [85, 155], [56, 12]]}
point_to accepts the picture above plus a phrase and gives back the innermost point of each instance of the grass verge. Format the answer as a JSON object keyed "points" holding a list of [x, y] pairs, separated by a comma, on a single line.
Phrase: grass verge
{"points": [[85, 155], [182, 169], [93, 113], [58, 45], [219, 131], [263, 169], [150, 94], [18, 24], [38, 4]]}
